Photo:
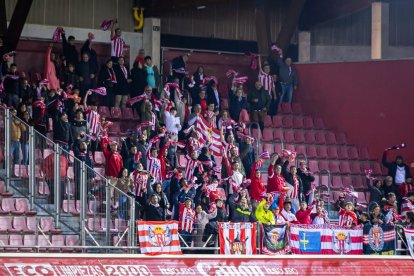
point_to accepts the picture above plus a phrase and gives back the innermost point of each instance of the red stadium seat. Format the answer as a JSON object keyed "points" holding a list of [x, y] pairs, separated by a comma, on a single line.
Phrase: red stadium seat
{"points": [[309, 137], [356, 167], [299, 136], [323, 165], [58, 242], [31, 223], [269, 148], [301, 149], [353, 153], [277, 121], [347, 181], [363, 154], [332, 152], [8, 206], [319, 138], [4, 241], [267, 135], [318, 123], [22, 205], [3, 191], [93, 224], [116, 113], [278, 147], [308, 122], [255, 133], [268, 121], [104, 111], [313, 166], [342, 153], [99, 158], [46, 225], [286, 108], [289, 136], [311, 151], [358, 182], [297, 108], [341, 138], [19, 225], [5, 224], [330, 138], [278, 134], [127, 113], [376, 168], [28, 240], [334, 167], [287, 122], [16, 241], [336, 182], [322, 152], [345, 167], [297, 122]]}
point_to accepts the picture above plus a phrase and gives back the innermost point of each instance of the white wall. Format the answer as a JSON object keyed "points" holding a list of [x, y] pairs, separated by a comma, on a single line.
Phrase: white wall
{"points": [[134, 40]]}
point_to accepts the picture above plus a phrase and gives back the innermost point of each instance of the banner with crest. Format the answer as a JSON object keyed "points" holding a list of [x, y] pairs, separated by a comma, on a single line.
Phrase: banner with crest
{"points": [[275, 240], [325, 239], [237, 238], [379, 240], [158, 237]]}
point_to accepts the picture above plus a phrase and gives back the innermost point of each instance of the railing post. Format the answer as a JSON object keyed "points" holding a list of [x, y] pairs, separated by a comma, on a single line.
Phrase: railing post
{"points": [[108, 213], [32, 162], [132, 222], [58, 184], [84, 199], [7, 149]]}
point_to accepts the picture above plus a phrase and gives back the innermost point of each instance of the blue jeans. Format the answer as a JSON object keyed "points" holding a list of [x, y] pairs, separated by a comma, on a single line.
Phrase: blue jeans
{"points": [[123, 207], [25, 151], [287, 93], [15, 150]]}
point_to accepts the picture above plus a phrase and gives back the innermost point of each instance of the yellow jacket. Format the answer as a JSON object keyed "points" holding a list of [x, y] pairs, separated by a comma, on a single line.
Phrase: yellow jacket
{"points": [[264, 216]]}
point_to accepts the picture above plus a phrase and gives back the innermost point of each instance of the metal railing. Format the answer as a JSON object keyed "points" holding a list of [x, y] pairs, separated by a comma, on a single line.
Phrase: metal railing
{"points": [[59, 185]]}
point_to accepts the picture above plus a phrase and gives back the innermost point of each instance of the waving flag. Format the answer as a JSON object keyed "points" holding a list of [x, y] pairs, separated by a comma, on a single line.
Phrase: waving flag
{"points": [[237, 238], [209, 136], [264, 155], [159, 237], [136, 99], [57, 34], [99, 90], [409, 235], [106, 24]]}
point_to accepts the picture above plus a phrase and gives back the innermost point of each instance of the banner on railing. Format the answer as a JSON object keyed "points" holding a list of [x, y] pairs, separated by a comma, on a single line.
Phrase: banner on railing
{"points": [[237, 238], [379, 240], [325, 239], [275, 240], [158, 237], [409, 236]]}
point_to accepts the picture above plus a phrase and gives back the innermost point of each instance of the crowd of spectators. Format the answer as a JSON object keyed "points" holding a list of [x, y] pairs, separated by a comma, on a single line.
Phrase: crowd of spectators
{"points": [[144, 165]]}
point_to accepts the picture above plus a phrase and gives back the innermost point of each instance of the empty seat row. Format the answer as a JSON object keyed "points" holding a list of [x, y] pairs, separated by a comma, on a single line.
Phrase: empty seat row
{"points": [[27, 224], [306, 122], [70, 206], [344, 167], [16, 206], [30, 242], [118, 113], [297, 136], [99, 225]]}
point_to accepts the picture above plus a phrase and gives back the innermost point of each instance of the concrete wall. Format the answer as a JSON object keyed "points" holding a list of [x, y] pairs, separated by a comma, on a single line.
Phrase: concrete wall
{"points": [[133, 40], [323, 53]]}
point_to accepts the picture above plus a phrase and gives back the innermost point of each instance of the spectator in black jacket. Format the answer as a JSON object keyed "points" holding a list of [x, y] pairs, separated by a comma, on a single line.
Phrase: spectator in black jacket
{"points": [[86, 74], [296, 192], [107, 78], [62, 132], [81, 152], [199, 76], [397, 169], [388, 186], [249, 158], [69, 49], [259, 100], [375, 189], [12, 87], [70, 77], [87, 48], [155, 208], [213, 95], [237, 103], [307, 179], [243, 213], [26, 92], [123, 79]]}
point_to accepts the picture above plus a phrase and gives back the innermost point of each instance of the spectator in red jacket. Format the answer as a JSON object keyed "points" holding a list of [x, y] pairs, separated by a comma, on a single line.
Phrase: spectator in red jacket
{"points": [[257, 188], [275, 180], [113, 162], [303, 215]]}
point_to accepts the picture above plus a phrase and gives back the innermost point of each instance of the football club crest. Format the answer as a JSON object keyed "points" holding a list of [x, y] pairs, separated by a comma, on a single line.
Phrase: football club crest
{"points": [[159, 236], [237, 246], [341, 242], [376, 238]]}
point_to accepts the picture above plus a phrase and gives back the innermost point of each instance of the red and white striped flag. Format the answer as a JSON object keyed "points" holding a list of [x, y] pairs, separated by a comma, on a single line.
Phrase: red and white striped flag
{"points": [[7, 56], [325, 239], [105, 24], [264, 155], [231, 73], [99, 90], [237, 238], [209, 136], [241, 80], [159, 237], [136, 99]]}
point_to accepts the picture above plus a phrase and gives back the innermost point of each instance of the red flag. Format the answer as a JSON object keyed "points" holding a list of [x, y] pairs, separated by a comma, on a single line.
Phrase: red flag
{"points": [[99, 90]]}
